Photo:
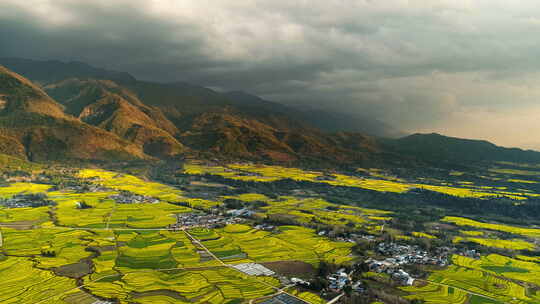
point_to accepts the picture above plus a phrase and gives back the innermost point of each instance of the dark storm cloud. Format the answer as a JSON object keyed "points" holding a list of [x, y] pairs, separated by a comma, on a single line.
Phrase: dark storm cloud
{"points": [[418, 64]]}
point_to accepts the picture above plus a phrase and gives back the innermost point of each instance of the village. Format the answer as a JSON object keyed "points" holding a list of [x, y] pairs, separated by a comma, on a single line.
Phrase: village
{"points": [[26, 200], [390, 258], [127, 197]]}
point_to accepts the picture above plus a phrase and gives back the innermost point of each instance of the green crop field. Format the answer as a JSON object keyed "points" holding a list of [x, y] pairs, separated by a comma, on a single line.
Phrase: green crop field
{"points": [[292, 243], [23, 283], [515, 244], [423, 235], [461, 221], [306, 211], [142, 215], [133, 184], [31, 215], [16, 188], [69, 215], [485, 284], [217, 285], [125, 252], [377, 182], [436, 294], [524, 271]]}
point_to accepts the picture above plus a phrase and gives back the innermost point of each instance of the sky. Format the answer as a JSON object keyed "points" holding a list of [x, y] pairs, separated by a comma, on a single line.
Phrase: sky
{"points": [[466, 68]]}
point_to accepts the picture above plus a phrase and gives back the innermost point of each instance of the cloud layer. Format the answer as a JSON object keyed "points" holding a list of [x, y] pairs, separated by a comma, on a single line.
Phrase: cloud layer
{"points": [[461, 67]]}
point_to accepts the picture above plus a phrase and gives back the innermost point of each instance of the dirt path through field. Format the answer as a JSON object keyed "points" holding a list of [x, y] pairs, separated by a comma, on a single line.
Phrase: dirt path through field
{"points": [[279, 290]]}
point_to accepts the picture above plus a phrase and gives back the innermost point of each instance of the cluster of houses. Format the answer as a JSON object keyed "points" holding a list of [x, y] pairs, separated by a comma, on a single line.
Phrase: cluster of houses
{"points": [[349, 237], [265, 227], [301, 282], [26, 200], [399, 255], [240, 212], [389, 266], [83, 188], [338, 280], [126, 197], [199, 219], [470, 253], [407, 254]]}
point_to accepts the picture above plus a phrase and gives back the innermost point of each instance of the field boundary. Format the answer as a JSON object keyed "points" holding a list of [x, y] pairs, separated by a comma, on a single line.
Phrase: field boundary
{"points": [[195, 240], [279, 290], [110, 216], [464, 290]]}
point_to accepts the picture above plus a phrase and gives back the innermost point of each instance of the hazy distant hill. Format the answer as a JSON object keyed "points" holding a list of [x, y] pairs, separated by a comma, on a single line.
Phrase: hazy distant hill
{"points": [[54, 70], [436, 147]]}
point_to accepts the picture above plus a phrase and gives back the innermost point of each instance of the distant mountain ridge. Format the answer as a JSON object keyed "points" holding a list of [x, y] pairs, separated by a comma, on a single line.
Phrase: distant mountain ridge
{"points": [[173, 119], [33, 126], [75, 111], [53, 70], [192, 98]]}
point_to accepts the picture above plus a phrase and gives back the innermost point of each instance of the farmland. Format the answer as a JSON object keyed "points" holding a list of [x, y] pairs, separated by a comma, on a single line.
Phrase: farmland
{"points": [[375, 181], [515, 244], [130, 239], [293, 243], [497, 227], [134, 258]]}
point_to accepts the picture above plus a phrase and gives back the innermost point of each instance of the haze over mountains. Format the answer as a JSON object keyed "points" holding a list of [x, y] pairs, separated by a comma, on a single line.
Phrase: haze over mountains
{"points": [[76, 111]]}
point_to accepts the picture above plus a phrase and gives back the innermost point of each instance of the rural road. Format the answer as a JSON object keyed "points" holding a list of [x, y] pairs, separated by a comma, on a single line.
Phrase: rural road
{"points": [[195, 240], [335, 299]]}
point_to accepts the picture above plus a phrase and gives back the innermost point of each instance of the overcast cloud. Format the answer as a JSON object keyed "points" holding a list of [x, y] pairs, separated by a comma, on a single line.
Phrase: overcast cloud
{"points": [[459, 67]]}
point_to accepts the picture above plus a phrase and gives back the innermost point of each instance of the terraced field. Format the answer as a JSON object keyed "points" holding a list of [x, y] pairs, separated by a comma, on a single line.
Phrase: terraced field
{"points": [[16, 188], [376, 182], [495, 264], [514, 244], [461, 221], [69, 215], [133, 184], [433, 293], [157, 215], [217, 285], [58, 241], [306, 211], [23, 283], [125, 252], [484, 284], [487, 280], [244, 244], [423, 235], [24, 216]]}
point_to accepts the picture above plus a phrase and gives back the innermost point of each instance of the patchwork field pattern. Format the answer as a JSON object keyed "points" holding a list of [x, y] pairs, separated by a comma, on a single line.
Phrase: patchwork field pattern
{"points": [[376, 181], [125, 252], [23, 283], [514, 244], [461, 221], [241, 243], [306, 211]]}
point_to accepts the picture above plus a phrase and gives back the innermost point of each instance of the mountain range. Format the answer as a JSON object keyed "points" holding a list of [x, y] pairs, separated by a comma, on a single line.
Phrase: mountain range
{"points": [[53, 111]]}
